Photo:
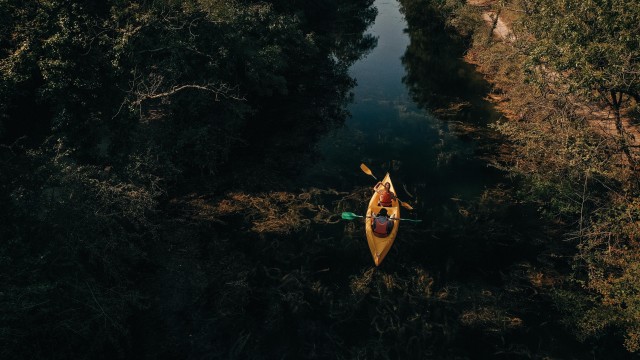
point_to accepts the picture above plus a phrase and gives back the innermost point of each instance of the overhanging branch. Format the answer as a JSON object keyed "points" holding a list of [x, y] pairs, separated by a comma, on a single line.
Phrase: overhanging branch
{"points": [[218, 90]]}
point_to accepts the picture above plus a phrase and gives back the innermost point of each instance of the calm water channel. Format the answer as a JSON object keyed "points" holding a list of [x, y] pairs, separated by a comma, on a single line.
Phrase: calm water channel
{"points": [[429, 161]]}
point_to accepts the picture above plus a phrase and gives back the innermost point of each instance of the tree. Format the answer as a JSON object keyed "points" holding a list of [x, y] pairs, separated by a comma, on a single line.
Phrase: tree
{"points": [[594, 46], [575, 50]]}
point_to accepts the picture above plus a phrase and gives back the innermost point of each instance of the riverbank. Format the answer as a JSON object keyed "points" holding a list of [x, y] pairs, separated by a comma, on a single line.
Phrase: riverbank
{"points": [[499, 20], [577, 155]]}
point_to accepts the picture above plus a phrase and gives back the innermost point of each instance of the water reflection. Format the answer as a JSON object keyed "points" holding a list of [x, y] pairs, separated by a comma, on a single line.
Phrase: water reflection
{"points": [[437, 77], [286, 126], [396, 124]]}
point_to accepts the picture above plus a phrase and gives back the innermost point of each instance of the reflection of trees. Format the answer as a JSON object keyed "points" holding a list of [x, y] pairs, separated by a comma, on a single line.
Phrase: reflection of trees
{"points": [[437, 77], [341, 24], [350, 41], [318, 83]]}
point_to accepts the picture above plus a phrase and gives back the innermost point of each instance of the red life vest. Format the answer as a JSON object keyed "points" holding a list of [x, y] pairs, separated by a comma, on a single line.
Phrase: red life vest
{"points": [[380, 226], [385, 199]]}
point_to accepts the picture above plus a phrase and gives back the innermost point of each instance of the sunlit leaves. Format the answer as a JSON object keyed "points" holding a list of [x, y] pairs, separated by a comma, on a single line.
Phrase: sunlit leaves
{"points": [[594, 44], [574, 169]]}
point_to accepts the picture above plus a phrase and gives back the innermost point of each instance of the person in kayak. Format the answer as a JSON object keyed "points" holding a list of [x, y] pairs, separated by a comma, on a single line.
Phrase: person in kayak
{"points": [[381, 224], [386, 195]]}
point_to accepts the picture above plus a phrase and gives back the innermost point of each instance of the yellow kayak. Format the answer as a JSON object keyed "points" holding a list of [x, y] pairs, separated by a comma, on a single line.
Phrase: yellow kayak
{"points": [[380, 246]]}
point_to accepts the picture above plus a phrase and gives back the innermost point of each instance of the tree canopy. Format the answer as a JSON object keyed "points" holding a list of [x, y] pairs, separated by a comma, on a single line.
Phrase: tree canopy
{"points": [[104, 108], [594, 46], [573, 61]]}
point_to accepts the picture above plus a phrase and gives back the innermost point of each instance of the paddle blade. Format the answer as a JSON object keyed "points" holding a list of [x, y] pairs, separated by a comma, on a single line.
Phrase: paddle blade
{"points": [[350, 216], [405, 205], [367, 171]]}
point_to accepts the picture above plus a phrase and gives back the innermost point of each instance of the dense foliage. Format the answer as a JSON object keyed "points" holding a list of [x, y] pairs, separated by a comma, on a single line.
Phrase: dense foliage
{"points": [[104, 107], [571, 63], [594, 46]]}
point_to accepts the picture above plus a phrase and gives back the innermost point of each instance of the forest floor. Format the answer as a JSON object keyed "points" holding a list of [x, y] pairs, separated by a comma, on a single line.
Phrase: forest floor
{"points": [[597, 115]]}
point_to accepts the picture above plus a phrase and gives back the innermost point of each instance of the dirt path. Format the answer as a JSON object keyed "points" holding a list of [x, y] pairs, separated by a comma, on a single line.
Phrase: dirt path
{"points": [[500, 29]]}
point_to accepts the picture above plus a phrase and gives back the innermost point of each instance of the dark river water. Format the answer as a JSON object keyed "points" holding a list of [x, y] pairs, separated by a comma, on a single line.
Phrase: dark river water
{"points": [[429, 160]]}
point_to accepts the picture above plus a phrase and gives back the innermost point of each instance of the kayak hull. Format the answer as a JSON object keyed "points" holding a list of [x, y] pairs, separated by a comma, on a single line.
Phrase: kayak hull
{"points": [[380, 246]]}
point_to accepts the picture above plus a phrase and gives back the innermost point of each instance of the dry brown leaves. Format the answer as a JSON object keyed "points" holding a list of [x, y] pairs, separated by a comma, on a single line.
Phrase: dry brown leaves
{"points": [[277, 212]]}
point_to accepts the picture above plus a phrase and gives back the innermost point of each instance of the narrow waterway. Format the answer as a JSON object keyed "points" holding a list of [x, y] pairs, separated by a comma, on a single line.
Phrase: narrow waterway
{"points": [[419, 113], [401, 123], [431, 160]]}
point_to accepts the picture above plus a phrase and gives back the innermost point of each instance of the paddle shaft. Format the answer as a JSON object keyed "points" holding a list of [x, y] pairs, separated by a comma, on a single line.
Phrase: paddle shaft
{"points": [[367, 171], [391, 218]]}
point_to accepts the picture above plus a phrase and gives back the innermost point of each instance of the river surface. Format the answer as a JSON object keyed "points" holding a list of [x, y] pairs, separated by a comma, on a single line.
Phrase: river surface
{"points": [[430, 160], [479, 251]]}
